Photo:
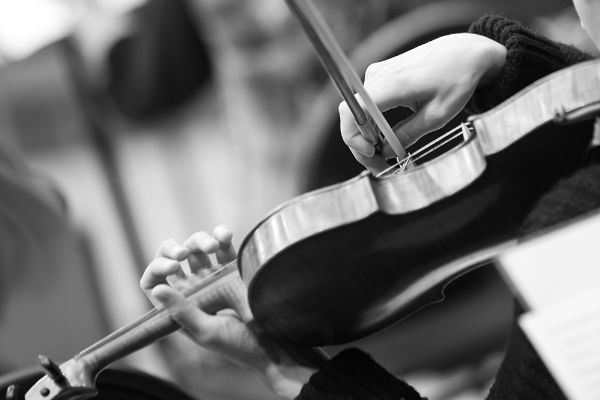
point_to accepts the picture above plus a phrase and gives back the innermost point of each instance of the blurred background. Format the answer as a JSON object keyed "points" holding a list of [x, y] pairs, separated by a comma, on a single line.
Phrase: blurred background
{"points": [[126, 122]]}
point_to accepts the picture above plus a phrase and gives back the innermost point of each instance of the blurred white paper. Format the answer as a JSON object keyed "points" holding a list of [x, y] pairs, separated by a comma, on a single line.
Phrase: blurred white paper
{"points": [[567, 338], [556, 276], [555, 266]]}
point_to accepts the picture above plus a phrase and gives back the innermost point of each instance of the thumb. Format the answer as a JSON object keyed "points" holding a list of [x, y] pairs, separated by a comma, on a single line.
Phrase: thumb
{"points": [[374, 164], [351, 134]]}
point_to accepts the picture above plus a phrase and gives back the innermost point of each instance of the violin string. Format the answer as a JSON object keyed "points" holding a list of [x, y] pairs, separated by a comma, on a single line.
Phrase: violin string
{"points": [[446, 137], [196, 287], [426, 150], [214, 271], [439, 145]]}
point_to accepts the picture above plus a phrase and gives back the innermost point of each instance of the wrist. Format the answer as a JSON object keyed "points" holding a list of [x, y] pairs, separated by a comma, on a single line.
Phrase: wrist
{"points": [[285, 368], [285, 380], [493, 57]]}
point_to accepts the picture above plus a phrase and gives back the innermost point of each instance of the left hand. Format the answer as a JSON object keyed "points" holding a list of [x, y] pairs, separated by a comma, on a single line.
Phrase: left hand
{"points": [[225, 332]]}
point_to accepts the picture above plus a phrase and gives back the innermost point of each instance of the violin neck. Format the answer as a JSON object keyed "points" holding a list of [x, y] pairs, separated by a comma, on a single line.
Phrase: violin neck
{"points": [[222, 289]]}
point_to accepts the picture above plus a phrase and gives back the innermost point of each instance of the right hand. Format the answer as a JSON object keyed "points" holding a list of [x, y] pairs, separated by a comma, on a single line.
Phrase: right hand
{"points": [[434, 80]]}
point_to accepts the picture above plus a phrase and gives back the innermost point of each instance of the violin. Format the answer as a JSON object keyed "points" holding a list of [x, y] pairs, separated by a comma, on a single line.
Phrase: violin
{"points": [[342, 262], [339, 263], [336, 264]]}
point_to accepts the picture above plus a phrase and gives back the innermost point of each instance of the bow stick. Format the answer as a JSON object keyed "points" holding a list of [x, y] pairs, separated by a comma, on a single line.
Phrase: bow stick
{"points": [[371, 123]]}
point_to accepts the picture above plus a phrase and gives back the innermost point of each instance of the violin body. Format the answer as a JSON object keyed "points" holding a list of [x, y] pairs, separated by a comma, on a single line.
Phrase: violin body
{"points": [[339, 263]]}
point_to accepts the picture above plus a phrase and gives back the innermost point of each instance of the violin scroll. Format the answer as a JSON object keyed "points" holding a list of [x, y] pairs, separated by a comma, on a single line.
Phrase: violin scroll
{"points": [[71, 380]]}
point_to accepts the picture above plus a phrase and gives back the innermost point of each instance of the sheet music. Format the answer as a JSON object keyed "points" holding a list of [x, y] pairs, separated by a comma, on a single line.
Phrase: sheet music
{"points": [[555, 266], [567, 338], [557, 278]]}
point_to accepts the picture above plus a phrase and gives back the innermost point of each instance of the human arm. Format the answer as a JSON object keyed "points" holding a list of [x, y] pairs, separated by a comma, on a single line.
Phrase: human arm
{"points": [[529, 57], [351, 374], [478, 70]]}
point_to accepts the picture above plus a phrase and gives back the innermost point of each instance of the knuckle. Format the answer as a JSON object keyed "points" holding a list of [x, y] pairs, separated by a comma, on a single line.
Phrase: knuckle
{"points": [[435, 118], [165, 244], [222, 227], [205, 337], [195, 240], [179, 310], [198, 236], [143, 284], [343, 108], [223, 234], [146, 281], [372, 70], [347, 140], [161, 266]]}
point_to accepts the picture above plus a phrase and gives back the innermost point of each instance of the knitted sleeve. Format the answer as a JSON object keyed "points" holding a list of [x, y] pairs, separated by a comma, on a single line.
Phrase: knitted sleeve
{"points": [[529, 57], [353, 375]]}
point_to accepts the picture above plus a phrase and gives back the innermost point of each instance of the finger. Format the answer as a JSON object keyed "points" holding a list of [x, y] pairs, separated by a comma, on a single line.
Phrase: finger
{"points": [[200, 245], [351, 134], [387, 152], [170, 248], [226, 252], [389, 88], [230, 313], [196, 322], [355, 140], [388, 97], [157, 272], [428, 119], [385, 99], [374, 164]]}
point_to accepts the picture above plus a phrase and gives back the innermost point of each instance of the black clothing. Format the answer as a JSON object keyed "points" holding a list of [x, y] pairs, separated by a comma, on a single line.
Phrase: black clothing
{"points": [[353, 374], [529, 57], [162, 65]]}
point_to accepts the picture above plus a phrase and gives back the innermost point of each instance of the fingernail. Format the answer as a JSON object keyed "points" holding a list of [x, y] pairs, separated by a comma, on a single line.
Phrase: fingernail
{"points": [[181, 252], [210, 244], [162, 296], [222, 233]]}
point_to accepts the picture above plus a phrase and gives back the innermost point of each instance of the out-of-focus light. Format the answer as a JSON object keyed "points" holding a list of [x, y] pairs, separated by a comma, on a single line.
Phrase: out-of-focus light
{"points": [[27, 25], [120, 5]]}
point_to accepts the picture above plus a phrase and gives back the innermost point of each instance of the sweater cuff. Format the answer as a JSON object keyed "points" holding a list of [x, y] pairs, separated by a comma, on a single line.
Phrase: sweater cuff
{"points": [[352, 374], [529, 57]]}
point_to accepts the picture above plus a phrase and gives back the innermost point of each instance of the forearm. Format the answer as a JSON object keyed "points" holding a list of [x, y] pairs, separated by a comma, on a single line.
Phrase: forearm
{"points": [[529, 57]]}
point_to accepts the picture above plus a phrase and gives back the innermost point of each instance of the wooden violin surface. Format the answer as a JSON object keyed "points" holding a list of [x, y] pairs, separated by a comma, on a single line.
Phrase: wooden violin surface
{"points": [[337, 264]]}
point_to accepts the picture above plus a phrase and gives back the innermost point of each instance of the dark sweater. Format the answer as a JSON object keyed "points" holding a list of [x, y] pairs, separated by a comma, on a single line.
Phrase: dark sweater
{"points": [[353, 374]]}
